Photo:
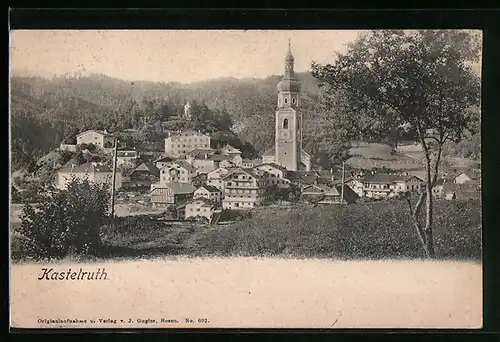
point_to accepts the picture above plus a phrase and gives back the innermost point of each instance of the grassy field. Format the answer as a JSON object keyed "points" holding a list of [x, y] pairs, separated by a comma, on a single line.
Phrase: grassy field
{"points": [[373, 155], [408, 157], [377, 230]]}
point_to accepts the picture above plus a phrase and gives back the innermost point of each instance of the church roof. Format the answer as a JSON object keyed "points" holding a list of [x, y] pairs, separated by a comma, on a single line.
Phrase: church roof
{"points": [[270, 152]]}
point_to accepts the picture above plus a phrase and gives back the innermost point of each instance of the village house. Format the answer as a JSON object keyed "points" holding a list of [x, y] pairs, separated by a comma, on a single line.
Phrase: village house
{"points": [[466, 176], [199, 207], [162, 162], [305, 177], [275, 174], [228, 150], [243, 189], [438, 188], [226, 164], [379, 185], [163, 195], [250, 163], [126, 157], [101, 139], [144, 175], [215, 178], [324, 194], [199, 180], [204, 163], [93, 172], [209, 192], [356, 185], [182, 142], [178, 171]]}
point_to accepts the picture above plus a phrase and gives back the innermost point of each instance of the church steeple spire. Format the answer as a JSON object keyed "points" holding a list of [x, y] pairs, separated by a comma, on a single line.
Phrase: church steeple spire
{"points": [[289, 83], [289, 62]]}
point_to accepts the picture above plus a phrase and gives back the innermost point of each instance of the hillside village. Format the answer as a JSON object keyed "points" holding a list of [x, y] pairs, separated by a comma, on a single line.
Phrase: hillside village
{"points": [[192, 178]]}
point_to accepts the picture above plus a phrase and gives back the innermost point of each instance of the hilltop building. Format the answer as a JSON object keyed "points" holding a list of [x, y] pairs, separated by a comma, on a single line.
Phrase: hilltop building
{"points": [[181, 143], [101, 139], [287, 150]]}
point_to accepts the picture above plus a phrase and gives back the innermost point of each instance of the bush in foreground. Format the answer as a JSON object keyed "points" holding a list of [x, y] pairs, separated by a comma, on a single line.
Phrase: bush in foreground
{"points": [[64, 222]]}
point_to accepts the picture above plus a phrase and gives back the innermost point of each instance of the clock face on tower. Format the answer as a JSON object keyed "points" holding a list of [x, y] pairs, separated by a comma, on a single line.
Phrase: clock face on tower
{"points": [[285, 134]]}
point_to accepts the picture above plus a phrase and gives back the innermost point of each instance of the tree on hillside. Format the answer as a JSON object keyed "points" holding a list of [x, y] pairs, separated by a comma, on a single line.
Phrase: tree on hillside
{"points": [[66, 221], [421, 79]]}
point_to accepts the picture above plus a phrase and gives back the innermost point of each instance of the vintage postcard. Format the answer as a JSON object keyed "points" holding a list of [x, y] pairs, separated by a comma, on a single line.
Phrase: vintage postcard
{"points": [[245, 179]]}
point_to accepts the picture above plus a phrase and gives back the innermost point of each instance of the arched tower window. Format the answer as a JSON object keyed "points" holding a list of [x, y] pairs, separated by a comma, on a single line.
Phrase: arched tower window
{"points": [[293, 100], [285, 123], [286, 100]]}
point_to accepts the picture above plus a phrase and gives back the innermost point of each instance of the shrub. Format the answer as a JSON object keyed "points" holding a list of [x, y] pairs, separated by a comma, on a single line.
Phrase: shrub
{"points": [[66, 221]]}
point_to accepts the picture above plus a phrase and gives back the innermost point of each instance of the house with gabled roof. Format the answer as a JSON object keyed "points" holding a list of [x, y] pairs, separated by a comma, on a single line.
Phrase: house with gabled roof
{"points": [[276, 174], [250, 163], [228, 150], [466, 176], [324, 194], [93, 172], [200, 207], [144, 175], [126, 157], [101, 139], [178, 171], [163, 161], [381, 185], [209, 192], [215, 178], [243, 189], [162, 194]]}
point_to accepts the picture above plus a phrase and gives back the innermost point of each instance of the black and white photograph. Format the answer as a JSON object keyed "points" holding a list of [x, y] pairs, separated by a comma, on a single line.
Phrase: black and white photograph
{"points": [[245, 179]]}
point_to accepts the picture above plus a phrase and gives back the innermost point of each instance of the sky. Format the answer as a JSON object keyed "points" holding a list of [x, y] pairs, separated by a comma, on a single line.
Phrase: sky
{"points": [[172, 55]]}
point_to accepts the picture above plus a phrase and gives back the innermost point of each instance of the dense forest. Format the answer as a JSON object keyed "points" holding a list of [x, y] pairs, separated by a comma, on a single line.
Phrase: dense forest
{"points": [[46, 112]]}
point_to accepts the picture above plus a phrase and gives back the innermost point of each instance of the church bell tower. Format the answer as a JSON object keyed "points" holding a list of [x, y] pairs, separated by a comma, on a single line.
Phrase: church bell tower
{"points": [[288, 135]]}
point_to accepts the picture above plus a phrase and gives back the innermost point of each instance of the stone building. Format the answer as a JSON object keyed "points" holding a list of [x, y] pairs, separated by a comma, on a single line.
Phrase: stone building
{"points": [[287, 150]]}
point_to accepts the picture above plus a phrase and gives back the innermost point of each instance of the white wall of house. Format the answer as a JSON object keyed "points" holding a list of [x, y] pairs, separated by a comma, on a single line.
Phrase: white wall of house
{"points": [[198, 208], [204, 193], [64, 178], [181, 174], [461, 179], [182, 143], [93, 137], [67, 147]]}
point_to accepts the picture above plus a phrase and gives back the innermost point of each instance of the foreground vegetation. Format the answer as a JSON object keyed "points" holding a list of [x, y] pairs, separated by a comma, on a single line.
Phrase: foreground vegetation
{"points": [[378, 230]]}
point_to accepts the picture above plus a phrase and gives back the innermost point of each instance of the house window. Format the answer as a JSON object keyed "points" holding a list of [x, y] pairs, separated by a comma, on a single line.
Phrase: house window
{"points": [[285, 123]]}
